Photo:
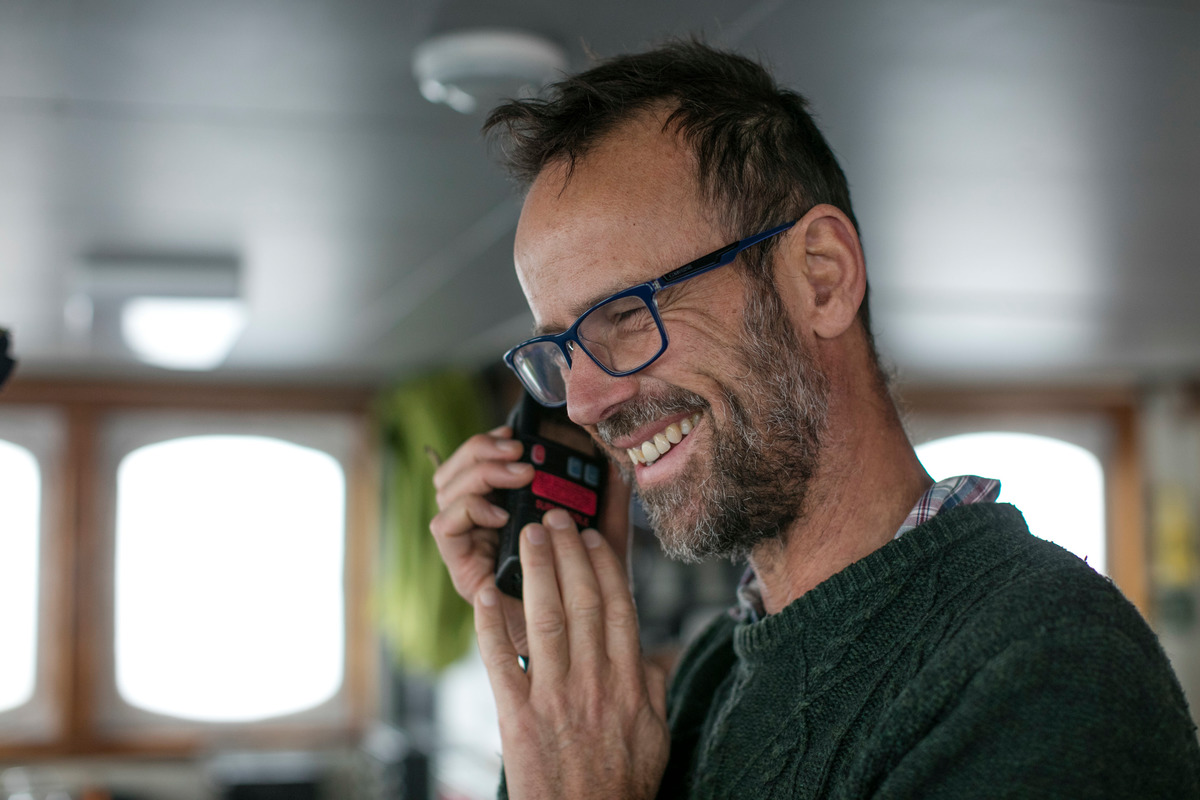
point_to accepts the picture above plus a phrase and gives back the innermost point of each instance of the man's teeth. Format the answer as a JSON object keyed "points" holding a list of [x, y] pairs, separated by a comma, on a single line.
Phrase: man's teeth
{"points": [[652, 449]]}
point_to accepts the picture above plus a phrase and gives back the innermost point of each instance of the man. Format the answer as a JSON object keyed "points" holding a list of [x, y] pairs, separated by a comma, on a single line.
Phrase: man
{"points": [[897, 638]]}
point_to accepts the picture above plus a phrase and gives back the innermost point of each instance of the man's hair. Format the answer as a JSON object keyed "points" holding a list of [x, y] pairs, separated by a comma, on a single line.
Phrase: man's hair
{"points": [[761, 160]]}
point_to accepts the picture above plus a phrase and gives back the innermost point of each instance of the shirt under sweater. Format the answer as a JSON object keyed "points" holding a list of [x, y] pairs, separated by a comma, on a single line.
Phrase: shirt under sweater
{"points": [[965, 659]]}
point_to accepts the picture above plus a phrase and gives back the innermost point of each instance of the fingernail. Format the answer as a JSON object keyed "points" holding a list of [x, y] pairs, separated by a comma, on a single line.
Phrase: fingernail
{"points": [[592, 539], [558, 519], [536, 534], [500, 514], [487, 596], [509, 445], [517, 467]]}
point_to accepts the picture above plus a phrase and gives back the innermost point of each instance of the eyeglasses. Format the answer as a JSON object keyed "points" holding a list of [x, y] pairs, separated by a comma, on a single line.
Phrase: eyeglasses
{"points": [[622, 334]]}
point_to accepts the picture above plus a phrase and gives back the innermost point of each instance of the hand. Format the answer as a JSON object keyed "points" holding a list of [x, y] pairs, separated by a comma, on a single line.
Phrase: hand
{"points": [[589, 717], [465, 527]]}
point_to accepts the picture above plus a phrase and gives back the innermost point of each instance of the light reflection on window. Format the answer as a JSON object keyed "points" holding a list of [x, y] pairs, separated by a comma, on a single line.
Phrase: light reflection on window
{"points": [[229, 580], [20, 512], [1058, 486]]}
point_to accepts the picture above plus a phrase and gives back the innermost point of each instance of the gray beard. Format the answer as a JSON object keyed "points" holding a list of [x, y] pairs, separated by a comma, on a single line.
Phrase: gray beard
{"points": [[763, 457]]}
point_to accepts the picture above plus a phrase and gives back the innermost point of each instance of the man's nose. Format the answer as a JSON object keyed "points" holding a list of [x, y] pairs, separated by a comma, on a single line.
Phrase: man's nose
{"points": [[592, 392]]}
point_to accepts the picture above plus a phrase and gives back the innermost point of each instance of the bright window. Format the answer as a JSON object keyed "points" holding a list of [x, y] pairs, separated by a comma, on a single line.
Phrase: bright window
{"points": [[20, 504], [1058, 486], [229, 578]]}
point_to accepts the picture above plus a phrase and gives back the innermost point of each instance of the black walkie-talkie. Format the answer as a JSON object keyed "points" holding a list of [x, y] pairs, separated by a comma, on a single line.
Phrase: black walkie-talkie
{"points": [[564, 476]]}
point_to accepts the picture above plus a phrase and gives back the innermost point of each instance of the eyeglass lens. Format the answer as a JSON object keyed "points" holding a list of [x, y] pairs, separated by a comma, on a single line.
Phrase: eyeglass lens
{"points": [[621, 334], [542, 369]]}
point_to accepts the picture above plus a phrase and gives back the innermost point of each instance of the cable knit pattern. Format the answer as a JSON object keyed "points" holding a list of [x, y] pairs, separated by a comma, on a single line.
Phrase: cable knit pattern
{"points": [[965, 659]]}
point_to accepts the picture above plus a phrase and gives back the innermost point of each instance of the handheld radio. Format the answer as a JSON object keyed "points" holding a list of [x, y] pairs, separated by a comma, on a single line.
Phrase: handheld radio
{"points": [[568, 474]]}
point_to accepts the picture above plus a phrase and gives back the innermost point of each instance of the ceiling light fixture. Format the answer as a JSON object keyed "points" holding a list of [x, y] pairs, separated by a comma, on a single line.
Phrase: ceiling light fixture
{"points": [[472, 68], [175, 311], [185, 333]]}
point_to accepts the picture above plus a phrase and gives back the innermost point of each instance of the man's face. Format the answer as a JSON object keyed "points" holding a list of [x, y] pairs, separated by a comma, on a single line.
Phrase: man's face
{"points": [[735, 403]]}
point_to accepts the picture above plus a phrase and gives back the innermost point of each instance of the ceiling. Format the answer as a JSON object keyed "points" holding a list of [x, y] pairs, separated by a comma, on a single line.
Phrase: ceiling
{"points": [[1026, 174]]}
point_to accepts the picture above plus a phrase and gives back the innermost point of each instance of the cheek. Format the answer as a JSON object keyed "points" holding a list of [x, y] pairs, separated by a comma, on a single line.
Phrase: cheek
{"points": [[704, 360], [709, 334], [706, 333]]}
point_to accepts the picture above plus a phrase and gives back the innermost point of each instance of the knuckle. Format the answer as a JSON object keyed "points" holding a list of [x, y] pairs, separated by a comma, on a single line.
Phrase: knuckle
{"points": [[548, 624], [621, 617], [474, 506], [446, 523], [480, 441], [585, 604], [496, 659]]}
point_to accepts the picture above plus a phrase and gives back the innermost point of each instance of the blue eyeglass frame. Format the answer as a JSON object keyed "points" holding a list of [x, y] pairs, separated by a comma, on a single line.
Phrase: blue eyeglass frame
{"points": [[646, 291]]}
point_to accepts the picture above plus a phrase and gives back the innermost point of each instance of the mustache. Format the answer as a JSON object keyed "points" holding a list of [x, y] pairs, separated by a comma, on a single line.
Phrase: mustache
{"points": [[642, 410]]}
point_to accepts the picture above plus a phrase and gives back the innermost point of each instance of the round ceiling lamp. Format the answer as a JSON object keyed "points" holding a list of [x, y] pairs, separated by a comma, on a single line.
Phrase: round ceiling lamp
{"points": [[469, 69]]}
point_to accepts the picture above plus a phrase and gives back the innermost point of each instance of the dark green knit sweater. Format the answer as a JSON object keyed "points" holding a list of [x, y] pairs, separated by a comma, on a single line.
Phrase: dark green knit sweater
{"points": [[966, 659]]}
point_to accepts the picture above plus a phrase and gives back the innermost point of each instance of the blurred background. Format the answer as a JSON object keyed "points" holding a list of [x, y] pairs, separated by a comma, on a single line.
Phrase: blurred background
{"points": [[254, 257]]}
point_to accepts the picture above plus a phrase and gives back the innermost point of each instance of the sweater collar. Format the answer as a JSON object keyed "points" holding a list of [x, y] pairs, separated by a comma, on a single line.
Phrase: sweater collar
{"points": [[877, 575], [942, 496]]}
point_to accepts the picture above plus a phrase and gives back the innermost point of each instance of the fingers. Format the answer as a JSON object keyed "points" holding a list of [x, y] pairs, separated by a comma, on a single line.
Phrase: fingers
{"points": [[484, 462], [620, 614], [494, 446], [510, 685], [582, 600], [478, 467], [464, 528], [482, 477], [466, 538], [578, 609], [463, 516], [545, 617]]}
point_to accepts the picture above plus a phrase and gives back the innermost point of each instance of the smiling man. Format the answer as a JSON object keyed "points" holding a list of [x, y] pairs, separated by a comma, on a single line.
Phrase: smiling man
{"points": [[692, 261]]}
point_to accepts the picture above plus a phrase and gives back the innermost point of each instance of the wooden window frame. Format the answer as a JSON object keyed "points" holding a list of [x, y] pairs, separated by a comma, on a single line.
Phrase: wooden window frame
{"points": [[1124, 482], [77, 593]]}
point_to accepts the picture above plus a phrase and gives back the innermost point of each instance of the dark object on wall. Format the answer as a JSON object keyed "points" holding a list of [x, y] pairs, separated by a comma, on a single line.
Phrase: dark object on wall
{"points": [[6, 361]]}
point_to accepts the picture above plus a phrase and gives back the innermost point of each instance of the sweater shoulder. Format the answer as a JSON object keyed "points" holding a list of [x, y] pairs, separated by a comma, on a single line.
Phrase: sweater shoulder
{"points": [[1030, 644], [1000, 585], [1012, 585]]}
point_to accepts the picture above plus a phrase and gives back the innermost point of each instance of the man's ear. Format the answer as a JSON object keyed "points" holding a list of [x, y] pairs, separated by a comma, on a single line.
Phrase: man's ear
{"points": [[822, 273]]}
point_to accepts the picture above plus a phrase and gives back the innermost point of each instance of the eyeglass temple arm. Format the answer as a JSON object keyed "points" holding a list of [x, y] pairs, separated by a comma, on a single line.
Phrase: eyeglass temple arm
{"points": [[718, 258]]}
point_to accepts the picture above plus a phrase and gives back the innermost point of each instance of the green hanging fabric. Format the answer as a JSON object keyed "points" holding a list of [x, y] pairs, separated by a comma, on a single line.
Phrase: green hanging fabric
{"points": [[426, 624]]}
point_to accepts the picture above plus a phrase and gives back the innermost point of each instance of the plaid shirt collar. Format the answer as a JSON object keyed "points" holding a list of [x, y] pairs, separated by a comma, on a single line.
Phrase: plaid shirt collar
{"points": [[942, 496]]}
